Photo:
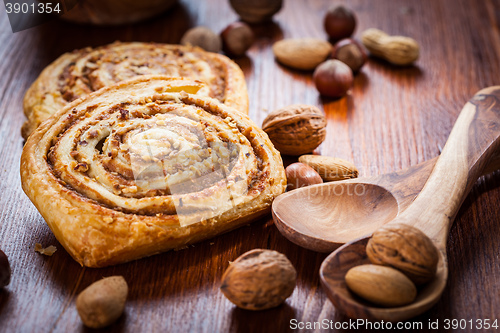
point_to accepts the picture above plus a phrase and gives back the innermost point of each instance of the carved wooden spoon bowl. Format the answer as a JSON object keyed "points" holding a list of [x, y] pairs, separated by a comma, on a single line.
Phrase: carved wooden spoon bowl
{"points": [[472, 142], [324, 217]]}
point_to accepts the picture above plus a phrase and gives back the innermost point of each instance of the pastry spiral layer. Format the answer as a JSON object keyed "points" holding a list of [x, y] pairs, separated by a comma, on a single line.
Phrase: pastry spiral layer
{"points": [[77, 74], [144, 166]]}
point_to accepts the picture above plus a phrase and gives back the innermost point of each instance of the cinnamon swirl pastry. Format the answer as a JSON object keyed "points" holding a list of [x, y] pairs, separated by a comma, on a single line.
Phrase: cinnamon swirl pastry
{"points": [[77, 74], [144, 166]]}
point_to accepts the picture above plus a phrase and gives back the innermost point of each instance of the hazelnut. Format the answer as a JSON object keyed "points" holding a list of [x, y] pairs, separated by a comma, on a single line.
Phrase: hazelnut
{"points": [[300, 175], [405, 248], [4, 270], [256, 11], [296, 129], [339, 22], [381, 285], [351, 53], [259, 279], [103, 302], [202, 37], [333, 78], [237, 38]]}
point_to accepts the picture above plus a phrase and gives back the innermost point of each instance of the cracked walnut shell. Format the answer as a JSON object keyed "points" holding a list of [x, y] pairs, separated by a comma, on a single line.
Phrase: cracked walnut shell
{"points": [[296, 129], [259, 279], [405, 248]]}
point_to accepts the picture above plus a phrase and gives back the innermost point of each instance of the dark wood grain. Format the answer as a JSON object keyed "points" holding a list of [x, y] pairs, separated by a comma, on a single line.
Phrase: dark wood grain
{"points": [[392, 119]]}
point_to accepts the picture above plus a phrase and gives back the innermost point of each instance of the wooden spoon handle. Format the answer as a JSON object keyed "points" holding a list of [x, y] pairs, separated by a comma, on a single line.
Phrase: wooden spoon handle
{"points": [[472, 141]]}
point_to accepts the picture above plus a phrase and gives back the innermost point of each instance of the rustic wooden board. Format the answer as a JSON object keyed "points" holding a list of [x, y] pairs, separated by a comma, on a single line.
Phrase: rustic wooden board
{"points": [[393, 118]]}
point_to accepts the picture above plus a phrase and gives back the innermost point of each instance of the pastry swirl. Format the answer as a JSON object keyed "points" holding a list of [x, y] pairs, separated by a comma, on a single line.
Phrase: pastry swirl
{"points": [[77, 74], [146, 165]]}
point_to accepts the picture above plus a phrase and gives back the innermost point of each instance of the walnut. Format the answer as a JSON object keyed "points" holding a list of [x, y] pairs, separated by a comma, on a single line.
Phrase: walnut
{"points": [[405, 248], [259, 279], [296, 129]]}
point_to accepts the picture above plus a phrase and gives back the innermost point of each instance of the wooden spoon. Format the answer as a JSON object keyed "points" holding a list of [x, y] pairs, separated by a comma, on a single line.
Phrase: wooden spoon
{"points": [[472, 141], [326, 216]]}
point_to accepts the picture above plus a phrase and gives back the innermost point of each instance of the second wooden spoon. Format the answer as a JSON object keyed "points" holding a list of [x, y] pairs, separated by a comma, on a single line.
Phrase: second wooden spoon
{"points": [[324, 217], [473, 140]]}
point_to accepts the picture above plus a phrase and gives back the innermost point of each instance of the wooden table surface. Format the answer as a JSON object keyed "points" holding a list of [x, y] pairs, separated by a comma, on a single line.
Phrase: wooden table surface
{"points": [[393, 118]]}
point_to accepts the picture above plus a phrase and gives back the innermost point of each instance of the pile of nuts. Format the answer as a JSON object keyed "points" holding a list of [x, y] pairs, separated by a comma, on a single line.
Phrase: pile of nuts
{"points": [[402, 258], [234, 40], [297, 130], [334, 77], [237, 37], [315, 169]]}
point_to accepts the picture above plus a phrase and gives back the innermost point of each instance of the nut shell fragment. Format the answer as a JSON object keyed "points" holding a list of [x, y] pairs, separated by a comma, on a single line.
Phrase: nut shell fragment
{"points": [[259, 279], [48, 251], [405, 248]]}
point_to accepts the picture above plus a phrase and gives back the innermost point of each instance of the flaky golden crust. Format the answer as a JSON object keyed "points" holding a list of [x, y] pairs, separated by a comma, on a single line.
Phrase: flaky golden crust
{"points": [[78, 73], [138, 168]]}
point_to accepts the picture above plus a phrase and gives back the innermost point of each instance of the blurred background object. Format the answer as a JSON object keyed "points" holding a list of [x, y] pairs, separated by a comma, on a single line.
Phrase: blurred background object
{"points": [[113, 12], [256, 11]]}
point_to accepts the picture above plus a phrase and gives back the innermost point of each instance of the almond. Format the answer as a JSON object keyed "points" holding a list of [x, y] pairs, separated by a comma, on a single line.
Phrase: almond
{"points": [[330, 168], [381, 285], [302, 53]]}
